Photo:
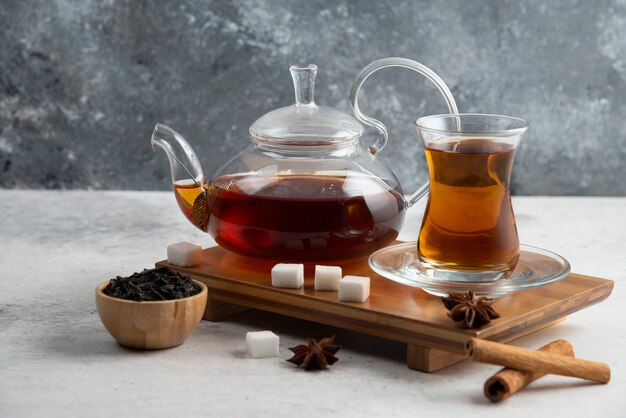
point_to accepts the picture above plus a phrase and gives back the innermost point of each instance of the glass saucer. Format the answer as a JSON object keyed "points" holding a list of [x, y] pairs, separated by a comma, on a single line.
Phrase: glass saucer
{"points": [[536, 267]]}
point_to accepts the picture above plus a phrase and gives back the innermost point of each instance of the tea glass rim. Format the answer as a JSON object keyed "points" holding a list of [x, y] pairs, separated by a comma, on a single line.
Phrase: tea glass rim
{"points": [[523, 124]]}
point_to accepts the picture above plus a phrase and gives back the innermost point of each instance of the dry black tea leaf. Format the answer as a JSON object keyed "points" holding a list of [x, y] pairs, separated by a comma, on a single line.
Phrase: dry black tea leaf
{"points": [[152, 285]]}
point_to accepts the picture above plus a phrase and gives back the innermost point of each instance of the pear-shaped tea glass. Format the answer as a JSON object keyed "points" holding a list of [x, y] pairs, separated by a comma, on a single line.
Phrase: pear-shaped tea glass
{"points": [[468, 231]]}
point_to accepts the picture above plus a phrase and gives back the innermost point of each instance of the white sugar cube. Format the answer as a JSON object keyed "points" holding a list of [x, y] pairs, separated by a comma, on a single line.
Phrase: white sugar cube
{"points": [[184, 254], [262, 344], [327, 277], [354, 289], [288, 275]]}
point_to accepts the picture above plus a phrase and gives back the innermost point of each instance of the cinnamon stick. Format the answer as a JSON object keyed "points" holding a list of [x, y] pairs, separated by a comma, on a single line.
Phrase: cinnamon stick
{"points": [[508, 381], [536, 361]]}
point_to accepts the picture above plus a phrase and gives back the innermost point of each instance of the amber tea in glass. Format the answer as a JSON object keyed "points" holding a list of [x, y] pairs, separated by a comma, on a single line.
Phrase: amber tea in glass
{"points": [[469, 225]]}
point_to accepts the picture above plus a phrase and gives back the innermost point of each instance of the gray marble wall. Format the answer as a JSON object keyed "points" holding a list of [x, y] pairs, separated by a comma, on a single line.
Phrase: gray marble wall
{"points": [[82, 82]]}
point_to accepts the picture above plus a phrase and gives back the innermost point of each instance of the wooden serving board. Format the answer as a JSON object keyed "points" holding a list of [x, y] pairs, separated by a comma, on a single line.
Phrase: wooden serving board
{"points": [[393, 311]]}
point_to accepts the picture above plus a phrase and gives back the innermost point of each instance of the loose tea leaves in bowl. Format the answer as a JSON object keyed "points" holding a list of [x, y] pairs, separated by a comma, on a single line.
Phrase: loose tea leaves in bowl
{"points": [[152, 285]]}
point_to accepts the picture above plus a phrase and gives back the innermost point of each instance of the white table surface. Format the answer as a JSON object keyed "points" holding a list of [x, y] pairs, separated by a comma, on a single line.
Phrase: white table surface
{"points": [[56, 358]]}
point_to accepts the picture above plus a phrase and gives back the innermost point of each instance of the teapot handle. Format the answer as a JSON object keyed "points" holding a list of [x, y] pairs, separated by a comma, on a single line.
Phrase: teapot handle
{"points": [[381, 142]]}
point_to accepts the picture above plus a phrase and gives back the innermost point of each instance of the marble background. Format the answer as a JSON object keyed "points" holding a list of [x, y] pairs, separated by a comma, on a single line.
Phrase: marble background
{"points": [[82, 82]]}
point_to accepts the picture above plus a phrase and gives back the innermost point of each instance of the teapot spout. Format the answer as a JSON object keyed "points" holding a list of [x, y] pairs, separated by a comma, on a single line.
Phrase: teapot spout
{"points": [[184, 163], [187, 175]]}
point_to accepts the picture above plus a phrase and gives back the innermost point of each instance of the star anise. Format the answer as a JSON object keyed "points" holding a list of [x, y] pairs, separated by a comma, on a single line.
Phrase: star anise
{"points": [[473, 313], [315, 355]]}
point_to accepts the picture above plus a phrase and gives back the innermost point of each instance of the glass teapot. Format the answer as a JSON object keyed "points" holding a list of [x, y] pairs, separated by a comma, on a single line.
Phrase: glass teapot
{"points": [[306, 189]]}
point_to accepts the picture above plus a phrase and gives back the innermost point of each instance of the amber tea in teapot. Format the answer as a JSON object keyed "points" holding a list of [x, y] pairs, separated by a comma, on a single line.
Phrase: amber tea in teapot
{"points": [[299, 217]]}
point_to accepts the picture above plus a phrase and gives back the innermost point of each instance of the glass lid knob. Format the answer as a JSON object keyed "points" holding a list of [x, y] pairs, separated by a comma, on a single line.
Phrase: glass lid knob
{"points": [[305, 123]]}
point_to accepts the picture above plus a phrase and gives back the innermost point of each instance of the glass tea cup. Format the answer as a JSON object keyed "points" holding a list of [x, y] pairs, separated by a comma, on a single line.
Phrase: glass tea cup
{"points": [[468, 231]]}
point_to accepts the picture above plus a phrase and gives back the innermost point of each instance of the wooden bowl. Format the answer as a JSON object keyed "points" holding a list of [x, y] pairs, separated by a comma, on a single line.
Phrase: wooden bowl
{"points": [[151, 325]]}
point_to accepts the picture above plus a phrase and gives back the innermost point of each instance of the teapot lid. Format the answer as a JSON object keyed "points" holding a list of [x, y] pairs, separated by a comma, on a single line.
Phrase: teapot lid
{"points": [[305, 123]]}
